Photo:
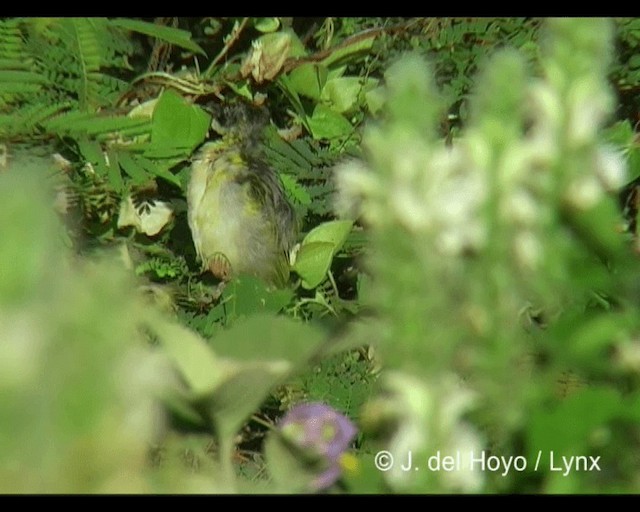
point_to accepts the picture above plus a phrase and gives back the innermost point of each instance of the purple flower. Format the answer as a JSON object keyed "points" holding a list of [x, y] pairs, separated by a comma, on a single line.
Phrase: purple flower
{"points": [[321, 431]]}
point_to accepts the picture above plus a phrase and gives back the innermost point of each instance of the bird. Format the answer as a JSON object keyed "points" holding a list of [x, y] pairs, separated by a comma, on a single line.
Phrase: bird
{"points": [[240, 218]]}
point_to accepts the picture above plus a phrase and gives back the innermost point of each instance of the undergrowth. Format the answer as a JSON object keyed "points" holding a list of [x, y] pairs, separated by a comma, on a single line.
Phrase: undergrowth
{"points": [[464, 280]]}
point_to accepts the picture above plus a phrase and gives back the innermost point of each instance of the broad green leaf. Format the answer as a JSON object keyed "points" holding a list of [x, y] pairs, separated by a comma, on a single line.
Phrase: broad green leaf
{"points": [[297, 47], [175, 36], [313, 262], [265, 25], [247, 295], [241, 395], [326, 123], [195, 360], [375, 99], [259, 352], [177, 124], [334, 232], [318, 249], [345, 93], [308, 80], [266, 337]]}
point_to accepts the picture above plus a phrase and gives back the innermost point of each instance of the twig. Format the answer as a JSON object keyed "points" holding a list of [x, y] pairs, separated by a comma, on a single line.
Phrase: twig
{"points": [[356, 38], [235, 34]]}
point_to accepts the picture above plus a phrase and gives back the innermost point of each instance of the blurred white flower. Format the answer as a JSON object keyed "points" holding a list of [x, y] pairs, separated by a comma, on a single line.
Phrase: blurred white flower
{"points": [[354, 182], [528, 250], [611, 168], [627, 355], [587, 103], [21, 348], [584, 192], [430, 420], [520, 207], [545, 107]]}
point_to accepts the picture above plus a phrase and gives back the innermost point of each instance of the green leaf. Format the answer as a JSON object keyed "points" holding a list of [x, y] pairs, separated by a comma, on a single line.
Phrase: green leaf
{"points": [[115, 177], [248, 295], [194, 359], [334, 232], [157, 169], [175, 36], [260, 352], [287, 467], [308, 79], [264, 337], [92, 153], [313, 262], [265, 25], [326, 123], [240, 395], [177, 124], [348, 52], [318, 249], [133, 169], [345, 93], [620, 133]]}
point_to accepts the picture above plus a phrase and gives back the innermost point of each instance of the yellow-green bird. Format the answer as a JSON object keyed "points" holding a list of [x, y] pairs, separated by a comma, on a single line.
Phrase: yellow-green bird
{"points": [[240, 219]]}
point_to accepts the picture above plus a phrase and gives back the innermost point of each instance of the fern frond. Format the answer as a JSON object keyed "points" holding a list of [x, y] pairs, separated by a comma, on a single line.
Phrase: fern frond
{"points": [[89, 42], [54, 65], [11, 44], [175, 36], [87, 123], [28, 118]]}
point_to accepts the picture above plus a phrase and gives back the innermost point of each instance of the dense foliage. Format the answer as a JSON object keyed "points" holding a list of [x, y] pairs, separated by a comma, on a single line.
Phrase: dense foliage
{"points": [[462, 309]]}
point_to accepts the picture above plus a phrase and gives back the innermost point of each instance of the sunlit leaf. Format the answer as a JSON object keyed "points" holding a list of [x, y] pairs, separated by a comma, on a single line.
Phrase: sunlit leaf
{"points": [[345, 93], [326, 123], [267, 24], [177, 124], [195, 360], [318, 248], [308, 79]]}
